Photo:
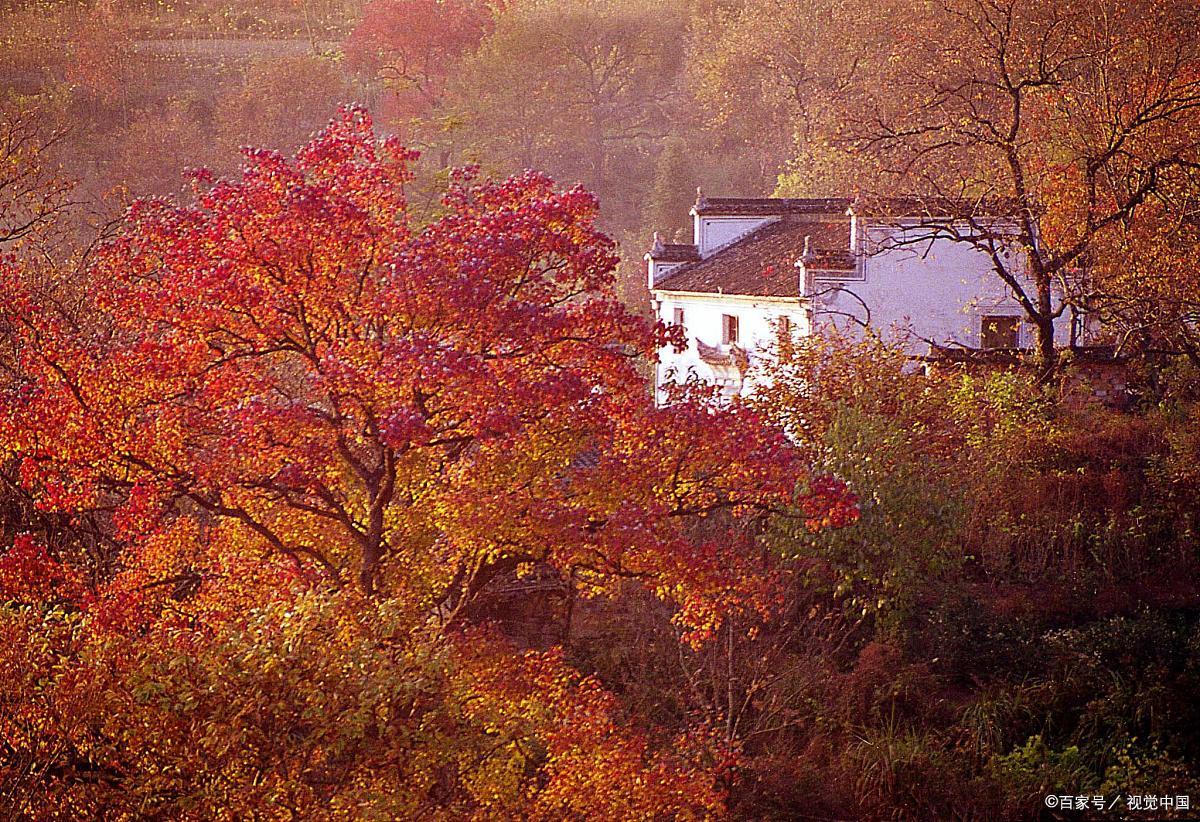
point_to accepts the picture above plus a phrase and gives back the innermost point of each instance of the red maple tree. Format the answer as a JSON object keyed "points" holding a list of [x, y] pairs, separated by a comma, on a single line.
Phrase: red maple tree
{"points": [[284, 390]]}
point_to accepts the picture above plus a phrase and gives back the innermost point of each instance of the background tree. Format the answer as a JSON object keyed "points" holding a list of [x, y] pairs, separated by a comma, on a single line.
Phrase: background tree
{"points": [[773, 78], [34, 191], [413, 47], [102, 60], [146, 155], [1040, 127], [279, 101], [675, 182], [580, 88], [1143, 283]]}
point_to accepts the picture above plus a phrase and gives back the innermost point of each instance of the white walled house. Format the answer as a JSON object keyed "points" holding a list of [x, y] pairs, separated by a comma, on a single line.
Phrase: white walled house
{"points": [[759, 267]]}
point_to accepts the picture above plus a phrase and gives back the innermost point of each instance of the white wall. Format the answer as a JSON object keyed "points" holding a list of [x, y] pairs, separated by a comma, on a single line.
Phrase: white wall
{"points": [[702, 320], [712, 233], [941, 289]]}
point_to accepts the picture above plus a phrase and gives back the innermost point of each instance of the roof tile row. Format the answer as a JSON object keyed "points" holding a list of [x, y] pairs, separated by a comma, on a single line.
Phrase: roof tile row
{"points": [[763, 263]]}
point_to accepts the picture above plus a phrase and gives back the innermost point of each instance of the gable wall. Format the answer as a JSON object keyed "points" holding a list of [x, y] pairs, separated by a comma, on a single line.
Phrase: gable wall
{"points": [[935, 290], [940, 288], [712, 233]]}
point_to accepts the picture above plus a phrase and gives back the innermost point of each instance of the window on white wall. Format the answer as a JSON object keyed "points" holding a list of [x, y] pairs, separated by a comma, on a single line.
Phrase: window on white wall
{"points": [[729, 329], [783, 328], [1000, 332], [678, 316]]}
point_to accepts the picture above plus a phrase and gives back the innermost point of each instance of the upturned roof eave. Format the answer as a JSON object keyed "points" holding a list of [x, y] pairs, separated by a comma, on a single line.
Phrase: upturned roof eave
{"points": [[731, 295]]}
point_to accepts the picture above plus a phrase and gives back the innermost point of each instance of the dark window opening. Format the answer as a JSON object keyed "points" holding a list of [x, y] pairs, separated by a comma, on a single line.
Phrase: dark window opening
{"points": [[1000, 332], [729, 329], [678, 316], [784, 329]]}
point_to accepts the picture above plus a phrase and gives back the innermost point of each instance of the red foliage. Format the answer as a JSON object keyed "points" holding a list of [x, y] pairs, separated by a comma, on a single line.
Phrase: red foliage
{"points": [[312, 434], [29, 574], [285, 366]]}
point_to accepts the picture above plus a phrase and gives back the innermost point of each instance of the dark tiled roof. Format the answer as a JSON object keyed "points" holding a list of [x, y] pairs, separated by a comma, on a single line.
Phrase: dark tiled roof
{"points": [[770, 206], [674, 253], [831, 261], [763, 263], [914, 206]]}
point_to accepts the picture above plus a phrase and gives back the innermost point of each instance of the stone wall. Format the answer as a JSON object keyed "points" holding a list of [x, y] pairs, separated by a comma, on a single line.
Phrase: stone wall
{"points": [[1085, 376]]}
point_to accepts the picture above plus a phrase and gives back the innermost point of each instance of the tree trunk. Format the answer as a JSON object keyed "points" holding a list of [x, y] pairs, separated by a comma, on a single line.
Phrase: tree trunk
{"points": [[371, 556], [1046, 352], [1044, 322]]}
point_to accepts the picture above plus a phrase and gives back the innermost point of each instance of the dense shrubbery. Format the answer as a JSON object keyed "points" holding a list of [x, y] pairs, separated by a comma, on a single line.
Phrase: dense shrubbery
{"points": [[1013, 615], [1021, 579]]}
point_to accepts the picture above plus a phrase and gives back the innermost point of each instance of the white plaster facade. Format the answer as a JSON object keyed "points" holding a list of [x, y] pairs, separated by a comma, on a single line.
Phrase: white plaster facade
{"points": [[936, 290], [703, 323], [913, 291]]}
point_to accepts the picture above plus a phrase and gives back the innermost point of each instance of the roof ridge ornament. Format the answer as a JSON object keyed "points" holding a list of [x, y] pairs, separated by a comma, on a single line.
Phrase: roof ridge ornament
{"points": [[657, 248], [701, 200]]}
